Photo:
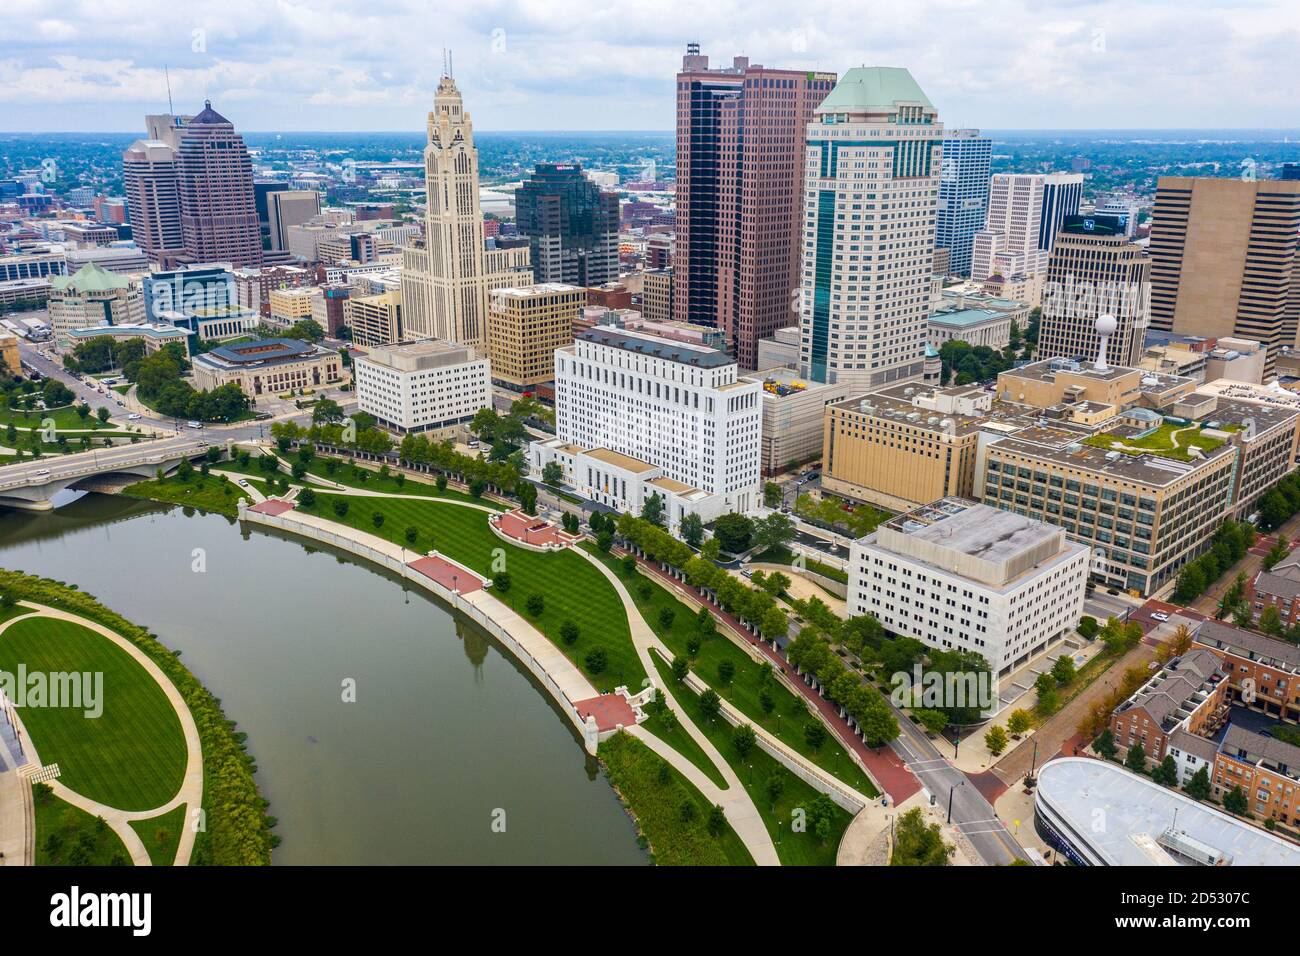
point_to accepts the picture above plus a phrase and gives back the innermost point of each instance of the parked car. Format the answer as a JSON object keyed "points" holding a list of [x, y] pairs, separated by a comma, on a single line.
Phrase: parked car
{"points": [[1159, 615]]}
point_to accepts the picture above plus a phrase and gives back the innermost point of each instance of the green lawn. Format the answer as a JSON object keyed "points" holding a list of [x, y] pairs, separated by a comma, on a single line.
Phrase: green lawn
{"points": [[1159, 442], [68, 836], [634, 770], [206, 494], [754, 771], [132, 756], [65, 417], [685, 744], [571, 588], [344, 474], [790, 713], [161, 835]]}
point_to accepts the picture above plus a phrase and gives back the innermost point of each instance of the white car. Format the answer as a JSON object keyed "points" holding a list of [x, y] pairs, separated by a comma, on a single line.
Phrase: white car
{"points": [[42, 473], [133, 417], [1159, 616], [243, 483]]}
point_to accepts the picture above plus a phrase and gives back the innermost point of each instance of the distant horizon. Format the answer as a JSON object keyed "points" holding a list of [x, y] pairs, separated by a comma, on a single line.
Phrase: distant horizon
{"points": [[1046, 130]]}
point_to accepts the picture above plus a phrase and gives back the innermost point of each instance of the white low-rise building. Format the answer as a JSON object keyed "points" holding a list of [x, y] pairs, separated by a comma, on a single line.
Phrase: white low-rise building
{"points": [[422, 386], [636, 415], [959, 575]]}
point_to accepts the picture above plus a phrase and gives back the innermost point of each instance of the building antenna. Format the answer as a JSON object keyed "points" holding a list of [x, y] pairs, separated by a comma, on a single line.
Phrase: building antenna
{"points": [[451, 65], [444, 62], [168, 79]]}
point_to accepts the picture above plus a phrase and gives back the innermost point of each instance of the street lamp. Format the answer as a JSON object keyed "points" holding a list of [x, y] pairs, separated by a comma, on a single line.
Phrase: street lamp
{"points": [[950, 793]]}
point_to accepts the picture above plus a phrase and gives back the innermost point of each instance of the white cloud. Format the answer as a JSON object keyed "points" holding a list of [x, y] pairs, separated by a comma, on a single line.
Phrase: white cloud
{"points": [[597, 64]]}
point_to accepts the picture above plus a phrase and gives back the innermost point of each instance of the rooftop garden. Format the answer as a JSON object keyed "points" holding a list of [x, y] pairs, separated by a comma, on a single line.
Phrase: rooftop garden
{"points": [[1167, 441]]}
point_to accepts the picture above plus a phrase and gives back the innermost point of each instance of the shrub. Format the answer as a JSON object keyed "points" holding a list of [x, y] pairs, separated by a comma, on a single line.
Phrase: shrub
{"points": [[595, 661], [535, 604], [569, 632], [501, 581]]}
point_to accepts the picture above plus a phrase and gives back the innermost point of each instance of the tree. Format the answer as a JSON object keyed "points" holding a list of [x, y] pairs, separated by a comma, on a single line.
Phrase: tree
{"points": [[102, 414], [717, 821], [774, 787], [733, 532], [773, 532], [326, 411], [341, 507], [628, 564], [569, 522], [996, 739], [569, 632], [934, 721], [1166, 772], [605, 541], [1105, 744], [666, 617], [1063, 670], [553, 474], [680, 669], [595, 660], [917, 843], [484, 424], [766, 702], [501, 581], [1019, 722], [1234, 801], [692, 529], [377, 519], [528, 498], [535, 604], [1136, 758], [772, 494], [307, 498], [726, 670], [743, 739], [1198, 787], [1088, 627], [1270, 621], [710, 704], [653, 510], [814, 735]]}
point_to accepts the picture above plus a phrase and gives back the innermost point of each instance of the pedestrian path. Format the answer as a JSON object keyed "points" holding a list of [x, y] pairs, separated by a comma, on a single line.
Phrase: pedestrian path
{"points": [[735, 802]]}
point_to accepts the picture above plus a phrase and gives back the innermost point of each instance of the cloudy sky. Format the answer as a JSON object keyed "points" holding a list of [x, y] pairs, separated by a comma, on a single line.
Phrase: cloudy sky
{"points": [[597, 64]]}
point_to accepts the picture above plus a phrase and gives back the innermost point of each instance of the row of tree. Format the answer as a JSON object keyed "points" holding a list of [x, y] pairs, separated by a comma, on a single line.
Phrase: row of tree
{"points": [[1228, 546], [859, 702]]}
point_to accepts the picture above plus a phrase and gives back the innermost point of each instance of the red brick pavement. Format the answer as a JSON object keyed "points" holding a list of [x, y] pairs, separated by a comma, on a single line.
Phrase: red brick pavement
{"points": [[610, 710]]}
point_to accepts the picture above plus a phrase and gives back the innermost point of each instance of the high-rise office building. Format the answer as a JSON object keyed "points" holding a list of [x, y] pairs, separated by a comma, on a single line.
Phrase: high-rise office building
{"points": [[149, 177], [166, 128], [526, 326], [1062, 193], [872, 173], [1009, 242], [1094, 270], [963, 195], [215, 184], [571, 225], [1224, 260], [740, 175], [446, 277], [289, 207]]}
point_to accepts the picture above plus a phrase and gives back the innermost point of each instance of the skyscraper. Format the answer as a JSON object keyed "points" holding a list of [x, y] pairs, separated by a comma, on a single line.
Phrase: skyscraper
{"points": [[215, 184], [289, 207], [571, 225], [153, 200], [740, 169], [1062, 193], [868, 246], [1094, 270], [447, 277], [963, 195], [1224, 260], [1009, 244]]}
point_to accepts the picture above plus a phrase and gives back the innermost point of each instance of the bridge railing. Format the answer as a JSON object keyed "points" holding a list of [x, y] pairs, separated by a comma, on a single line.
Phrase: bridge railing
{"points": [[94, 467]]}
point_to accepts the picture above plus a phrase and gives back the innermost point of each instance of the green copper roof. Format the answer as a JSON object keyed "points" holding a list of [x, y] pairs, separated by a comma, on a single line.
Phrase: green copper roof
{"points": [[867, 87], [91, 278]]}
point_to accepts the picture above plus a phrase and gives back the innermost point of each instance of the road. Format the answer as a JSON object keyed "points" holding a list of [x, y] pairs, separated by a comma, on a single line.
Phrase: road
{"points": [[971, 813], [57, 467]]}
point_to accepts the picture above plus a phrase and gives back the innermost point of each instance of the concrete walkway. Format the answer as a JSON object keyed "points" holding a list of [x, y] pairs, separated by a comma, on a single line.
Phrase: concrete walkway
{"points": [[735, 802], [800, 587], [191, 790]]}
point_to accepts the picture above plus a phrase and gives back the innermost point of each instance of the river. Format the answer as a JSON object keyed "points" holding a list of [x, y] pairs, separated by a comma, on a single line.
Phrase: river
{"points": [[449, 753]]}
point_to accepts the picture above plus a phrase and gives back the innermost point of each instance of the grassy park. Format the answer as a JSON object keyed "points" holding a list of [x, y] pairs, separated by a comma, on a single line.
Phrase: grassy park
{"points": [[68, 836], [672, 814], [1167, 441], [572, 590], [161, 835], [132, 756]]}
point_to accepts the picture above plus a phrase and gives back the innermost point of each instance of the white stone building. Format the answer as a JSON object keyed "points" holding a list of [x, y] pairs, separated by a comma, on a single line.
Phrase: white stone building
{"points": [[422, 386], [636, 414], [959, 575]]}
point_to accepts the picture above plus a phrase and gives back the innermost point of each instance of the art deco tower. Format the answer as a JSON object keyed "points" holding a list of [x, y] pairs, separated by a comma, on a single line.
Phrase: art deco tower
{"points": [[215, 185], [446, 279]]}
